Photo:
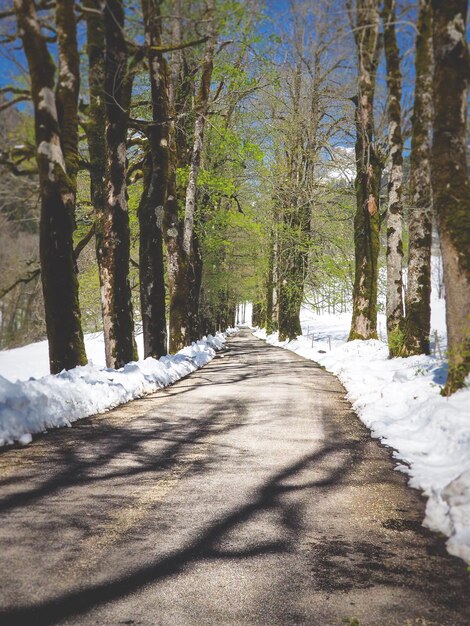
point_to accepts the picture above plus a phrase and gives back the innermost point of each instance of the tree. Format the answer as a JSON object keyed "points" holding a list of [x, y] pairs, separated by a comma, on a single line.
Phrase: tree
{"points": [[152, 204], [395, 183], [56, 130], [418, 290], [94, 125], [294, 211], [201, 104], [308, 94], [450, 180], [369, 169], [180, 93], [112, 220]]}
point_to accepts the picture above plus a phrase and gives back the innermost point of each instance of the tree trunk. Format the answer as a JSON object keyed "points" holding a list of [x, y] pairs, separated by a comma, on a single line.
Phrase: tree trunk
{"points": [[295, 215], [151, 209], [290, 300], [450, 181], [177, 262], [151, 266], [418, 290], [112, 225], [190, 247], [55, 154], [68, 86], [395, 183], [96, 119], [369, 168], [195, 282], [271, 294], [256, 314]]}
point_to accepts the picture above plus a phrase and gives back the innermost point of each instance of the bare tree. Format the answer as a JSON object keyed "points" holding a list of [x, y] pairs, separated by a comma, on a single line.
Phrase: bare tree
{"points": [[310, 95]]}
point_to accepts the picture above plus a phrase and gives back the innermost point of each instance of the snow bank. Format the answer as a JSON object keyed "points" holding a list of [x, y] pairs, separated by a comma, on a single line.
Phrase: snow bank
{"points": [[399, 400], [33, 406]]}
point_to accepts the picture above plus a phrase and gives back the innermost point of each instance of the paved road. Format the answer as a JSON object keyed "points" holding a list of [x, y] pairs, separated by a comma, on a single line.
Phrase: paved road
{"points": [[248, 493]]}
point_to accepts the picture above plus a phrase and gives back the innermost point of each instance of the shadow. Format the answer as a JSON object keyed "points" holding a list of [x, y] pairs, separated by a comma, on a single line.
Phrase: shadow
{"points": [[268, 497], [92, 454]]}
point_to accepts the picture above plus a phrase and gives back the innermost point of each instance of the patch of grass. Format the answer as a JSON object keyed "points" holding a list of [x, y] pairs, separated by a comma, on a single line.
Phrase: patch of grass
{"points": [[397, 343]]}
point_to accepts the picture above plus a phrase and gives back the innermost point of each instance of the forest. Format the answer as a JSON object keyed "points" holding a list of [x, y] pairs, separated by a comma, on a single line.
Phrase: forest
{"points": [[163, 162]]}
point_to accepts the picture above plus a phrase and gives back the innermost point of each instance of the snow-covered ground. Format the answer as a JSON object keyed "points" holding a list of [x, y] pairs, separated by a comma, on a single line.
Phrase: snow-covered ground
{"points": [[32, 401], [400, 401]]}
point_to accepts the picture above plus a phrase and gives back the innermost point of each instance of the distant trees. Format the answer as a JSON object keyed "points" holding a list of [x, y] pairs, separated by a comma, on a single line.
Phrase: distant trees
{"points": [[300, 117], [21, 303]]}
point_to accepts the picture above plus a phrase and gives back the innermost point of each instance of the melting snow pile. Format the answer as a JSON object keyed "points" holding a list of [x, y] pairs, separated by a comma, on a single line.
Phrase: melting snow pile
{"points": [[399, 400], [34, 405]]}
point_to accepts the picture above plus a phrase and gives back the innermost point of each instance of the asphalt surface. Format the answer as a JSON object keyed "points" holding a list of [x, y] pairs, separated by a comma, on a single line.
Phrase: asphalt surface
{"points": [[248, 493]]}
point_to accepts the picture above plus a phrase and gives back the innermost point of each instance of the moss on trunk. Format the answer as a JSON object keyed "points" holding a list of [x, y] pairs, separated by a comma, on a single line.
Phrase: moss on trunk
{"points": [[395, 204], [418, 291], [450, 180], [152, 205], [367, 183]]}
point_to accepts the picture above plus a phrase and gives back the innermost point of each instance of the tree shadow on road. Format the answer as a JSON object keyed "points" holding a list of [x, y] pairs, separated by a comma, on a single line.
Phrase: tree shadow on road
{"points": [[209, 543]]}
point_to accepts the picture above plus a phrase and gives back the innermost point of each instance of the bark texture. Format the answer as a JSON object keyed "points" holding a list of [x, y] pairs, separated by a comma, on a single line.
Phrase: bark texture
{"points": [[96, 119], [369, 168], [418, 290], [200, 108], [68, 85], [450, 181], [295, 210], [177, 262], [152, 205], [190, 243], [57, 150], [112, 225], [187, 111], [395, 183], [271, 281]]}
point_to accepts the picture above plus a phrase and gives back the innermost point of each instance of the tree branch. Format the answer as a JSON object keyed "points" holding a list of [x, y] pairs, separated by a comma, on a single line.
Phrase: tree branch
{"points": [[181, 46], [24, 279], [9, 103], [83, 242]]}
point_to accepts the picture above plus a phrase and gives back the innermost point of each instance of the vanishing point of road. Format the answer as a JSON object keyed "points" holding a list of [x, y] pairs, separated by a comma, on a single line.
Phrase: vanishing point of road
{"points": [[247, 493]]}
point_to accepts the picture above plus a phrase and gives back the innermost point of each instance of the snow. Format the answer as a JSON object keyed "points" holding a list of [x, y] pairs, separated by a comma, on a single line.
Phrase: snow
{"points": [[32, 401], [399, 400]]}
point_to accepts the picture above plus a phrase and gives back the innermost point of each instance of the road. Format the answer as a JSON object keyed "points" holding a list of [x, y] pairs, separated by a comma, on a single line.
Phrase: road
{"points": [[247, 493]]}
